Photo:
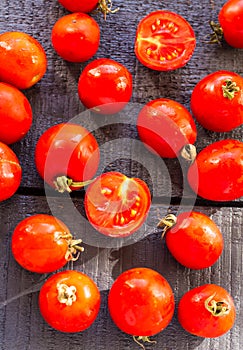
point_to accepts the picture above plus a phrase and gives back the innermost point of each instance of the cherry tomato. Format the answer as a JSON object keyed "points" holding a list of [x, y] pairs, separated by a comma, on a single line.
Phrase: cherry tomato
{"points": [[207, 311], [194, 240], [141, 302], [22, 59], [15, 114], [231, 22], [10, 172], [79, 6], [223, 92], [164, 41], [69, 301], [42, 243], [117, 205], [216, 174], [165, 127], [105, 86], [76, 37], [67, 155]]}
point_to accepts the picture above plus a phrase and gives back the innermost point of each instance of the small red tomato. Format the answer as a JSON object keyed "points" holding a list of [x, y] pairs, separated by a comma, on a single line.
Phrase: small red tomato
{"points": [[141, 302], [15, 114], [216, 174], [67, 155], [207, 311], [223, 92], [164, 41], [105, 86], [165, 127], [69, 301], [22, 59], [117, 205], [231, 22], [76, 37], [79, 6], [42, 243], [10, 172], [195, 241]]}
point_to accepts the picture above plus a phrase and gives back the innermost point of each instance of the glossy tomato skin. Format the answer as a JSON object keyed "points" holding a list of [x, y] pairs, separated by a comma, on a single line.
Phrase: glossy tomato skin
{"points": [[141, 302], [196, 319], [116, 205], [22, 59], [195, 241], [216, 174], [76, 37], [10, 172], [79, 6], [164, 41], [39, 244], [231, 21], [15, 114], [81, 313], [224, 113], [165, 127], [67, 149], [105, 86]]}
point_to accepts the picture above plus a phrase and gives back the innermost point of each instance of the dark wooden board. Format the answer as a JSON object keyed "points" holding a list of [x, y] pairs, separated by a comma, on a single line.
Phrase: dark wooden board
{"points": [[55, 99]]}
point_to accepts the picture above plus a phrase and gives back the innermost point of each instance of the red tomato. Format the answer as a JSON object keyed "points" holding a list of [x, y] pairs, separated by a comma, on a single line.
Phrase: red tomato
{"points": [[141, 302], [76, 37], [105, 86], [207, 311], [216, 174], [223, 92], [79, 5], [165, 127], [164, 41], [42, 243], [67, 155], [69, 301], [195, 241], [231, 22], [22, 59], [117, 205], [10, 172], [15, 114]]}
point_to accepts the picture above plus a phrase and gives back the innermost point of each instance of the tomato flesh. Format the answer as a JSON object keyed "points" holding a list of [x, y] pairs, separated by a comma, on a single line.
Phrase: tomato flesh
{"points": [[164, 41]]}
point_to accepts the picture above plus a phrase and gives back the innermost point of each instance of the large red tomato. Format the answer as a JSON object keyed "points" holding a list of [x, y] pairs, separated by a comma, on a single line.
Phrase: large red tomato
{"points": [[164, 41], [67, 155], [76, 37], [217, 172], [207, 311], [15, 114], [105, 86], [223, 92], [165, 127], [22, 59], [69, 301], [117, 205], [10, 172]]}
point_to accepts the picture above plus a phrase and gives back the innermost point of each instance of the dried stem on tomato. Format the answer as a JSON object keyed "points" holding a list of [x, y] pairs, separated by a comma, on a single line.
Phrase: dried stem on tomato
{"points": [[66, 294], [63, 184], [143, 339], [105, 6], [166, 223], [217, 35], [230, 89], [216, 308]]}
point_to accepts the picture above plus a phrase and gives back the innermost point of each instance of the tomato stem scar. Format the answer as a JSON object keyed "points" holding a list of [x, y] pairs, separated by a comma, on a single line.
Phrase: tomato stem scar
{"points": [[166, 223], [217, 308], [144, 339], [63, 184], [229, 89], [66, 294]]}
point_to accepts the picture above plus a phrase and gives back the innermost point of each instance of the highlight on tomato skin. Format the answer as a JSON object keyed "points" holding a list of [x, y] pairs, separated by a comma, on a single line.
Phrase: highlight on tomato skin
{"points": [[117, 205], [164, 41]]}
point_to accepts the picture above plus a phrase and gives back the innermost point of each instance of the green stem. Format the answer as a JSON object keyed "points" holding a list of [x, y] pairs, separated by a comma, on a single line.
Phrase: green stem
{"points": [[229, 89], [105, 6], [216, 308], [143, 339], [166, 223], [63, 184]]}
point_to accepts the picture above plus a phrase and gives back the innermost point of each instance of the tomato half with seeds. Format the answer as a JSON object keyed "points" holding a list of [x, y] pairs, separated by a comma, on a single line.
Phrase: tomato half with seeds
{"points": [[69, 301], [15, 114], [23, 60], [165, 127], [141, 302], [223, 92], [164, 41], [42, 243], [117, 205], [207, 311], [10, 172], [67, 156], [216, 173], [194, 240]]}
